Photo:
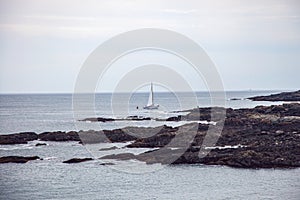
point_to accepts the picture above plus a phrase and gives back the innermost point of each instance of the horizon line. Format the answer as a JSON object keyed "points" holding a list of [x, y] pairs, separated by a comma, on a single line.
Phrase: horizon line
{"points": [[109, 92]]}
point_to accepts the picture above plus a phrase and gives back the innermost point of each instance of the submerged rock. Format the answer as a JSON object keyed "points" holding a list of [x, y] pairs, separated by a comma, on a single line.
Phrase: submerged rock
{"points": [[121, 156], [40, 144], [77, 160], [235, 99], [103, 119], [109, 148], [108, 163], [98, 119]]}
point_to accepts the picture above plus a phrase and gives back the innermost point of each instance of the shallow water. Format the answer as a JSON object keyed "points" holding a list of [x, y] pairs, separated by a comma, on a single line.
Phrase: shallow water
{"points": [[52, 179]]}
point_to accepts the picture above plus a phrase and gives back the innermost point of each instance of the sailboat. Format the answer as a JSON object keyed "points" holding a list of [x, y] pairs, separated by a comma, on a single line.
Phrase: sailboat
{"points": [[151, 105]]}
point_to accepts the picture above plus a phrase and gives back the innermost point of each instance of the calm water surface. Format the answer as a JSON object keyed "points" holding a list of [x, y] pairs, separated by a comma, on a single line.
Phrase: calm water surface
{"points": [[51, 179]]}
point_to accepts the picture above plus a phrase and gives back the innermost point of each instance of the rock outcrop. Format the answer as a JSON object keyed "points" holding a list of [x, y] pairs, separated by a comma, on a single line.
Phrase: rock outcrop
{"points": [[104, 119], [40, 144], [17, 159], [265, 136], [77, 160], [284, 96], [260, 137], [59, 136], [98, 119], [18, 138]]}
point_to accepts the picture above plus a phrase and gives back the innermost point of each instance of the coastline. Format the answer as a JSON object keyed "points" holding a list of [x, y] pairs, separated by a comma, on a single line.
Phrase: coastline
{"points": [[260, 137]]}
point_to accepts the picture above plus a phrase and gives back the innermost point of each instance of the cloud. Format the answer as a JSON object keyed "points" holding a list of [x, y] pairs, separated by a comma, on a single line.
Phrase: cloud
{"points": [[241, 36], [215, 22], [176, 11]]}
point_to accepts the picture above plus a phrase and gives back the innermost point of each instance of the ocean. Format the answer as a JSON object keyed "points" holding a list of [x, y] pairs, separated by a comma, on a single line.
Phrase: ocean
{"points": [[51, 179]]}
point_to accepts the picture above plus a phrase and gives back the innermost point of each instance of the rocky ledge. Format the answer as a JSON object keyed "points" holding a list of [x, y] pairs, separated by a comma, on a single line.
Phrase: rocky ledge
{"points": [[260, 137], [284, 96], [77, 160], [17, 159], [86, 137], [129, 118]]}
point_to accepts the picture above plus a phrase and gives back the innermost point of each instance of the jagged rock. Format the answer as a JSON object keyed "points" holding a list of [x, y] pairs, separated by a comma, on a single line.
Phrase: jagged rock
{"points": [[59, 136], [268, 136], [18, 138]]}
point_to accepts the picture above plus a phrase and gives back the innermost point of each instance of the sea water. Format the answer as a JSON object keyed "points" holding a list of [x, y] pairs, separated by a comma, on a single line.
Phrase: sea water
{"points": [[51, 179]]}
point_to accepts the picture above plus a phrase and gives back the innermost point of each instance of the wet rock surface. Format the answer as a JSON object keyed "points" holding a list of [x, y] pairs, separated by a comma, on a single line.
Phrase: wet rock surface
{"points": [[17, 159], [284, 96], [18, 138], [40, 144], [77, 160], [98, 119], [59, 136], [260, 137], [266, 137], [129, 118]]}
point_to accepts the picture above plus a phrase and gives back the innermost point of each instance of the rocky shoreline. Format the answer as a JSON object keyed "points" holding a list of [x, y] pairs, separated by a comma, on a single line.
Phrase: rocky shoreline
{"points": [[284, 96], [265, 137], [260, 137]]}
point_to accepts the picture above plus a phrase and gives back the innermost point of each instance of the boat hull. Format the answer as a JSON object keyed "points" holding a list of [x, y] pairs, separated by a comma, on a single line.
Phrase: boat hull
{"points": [[151, 107]]}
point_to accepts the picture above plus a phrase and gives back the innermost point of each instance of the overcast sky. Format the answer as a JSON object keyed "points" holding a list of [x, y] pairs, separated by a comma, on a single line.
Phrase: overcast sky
{"points": [[43, 44]]}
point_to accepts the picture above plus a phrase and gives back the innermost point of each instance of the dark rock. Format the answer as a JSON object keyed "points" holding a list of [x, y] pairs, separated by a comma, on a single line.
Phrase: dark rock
{"points": [[92, 137], [268, 137], [77, 160], [59, 136], [136, 118], [17, 159], [18, 138], [108, 148], [205, 114], [40, 144], [104, 164], [284, 96], [235, 99], [103, 119], [118, 135], [98, 119], [159, 137], [175, 118], [122, 156]]}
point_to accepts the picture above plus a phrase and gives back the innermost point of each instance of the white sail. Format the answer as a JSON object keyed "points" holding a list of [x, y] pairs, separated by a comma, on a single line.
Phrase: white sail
{"points": [[151, 105], [150, 99]]}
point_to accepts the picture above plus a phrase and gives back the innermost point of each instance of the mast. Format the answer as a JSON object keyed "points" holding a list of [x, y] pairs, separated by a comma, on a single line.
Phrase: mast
{"points": [[152, 93]]}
